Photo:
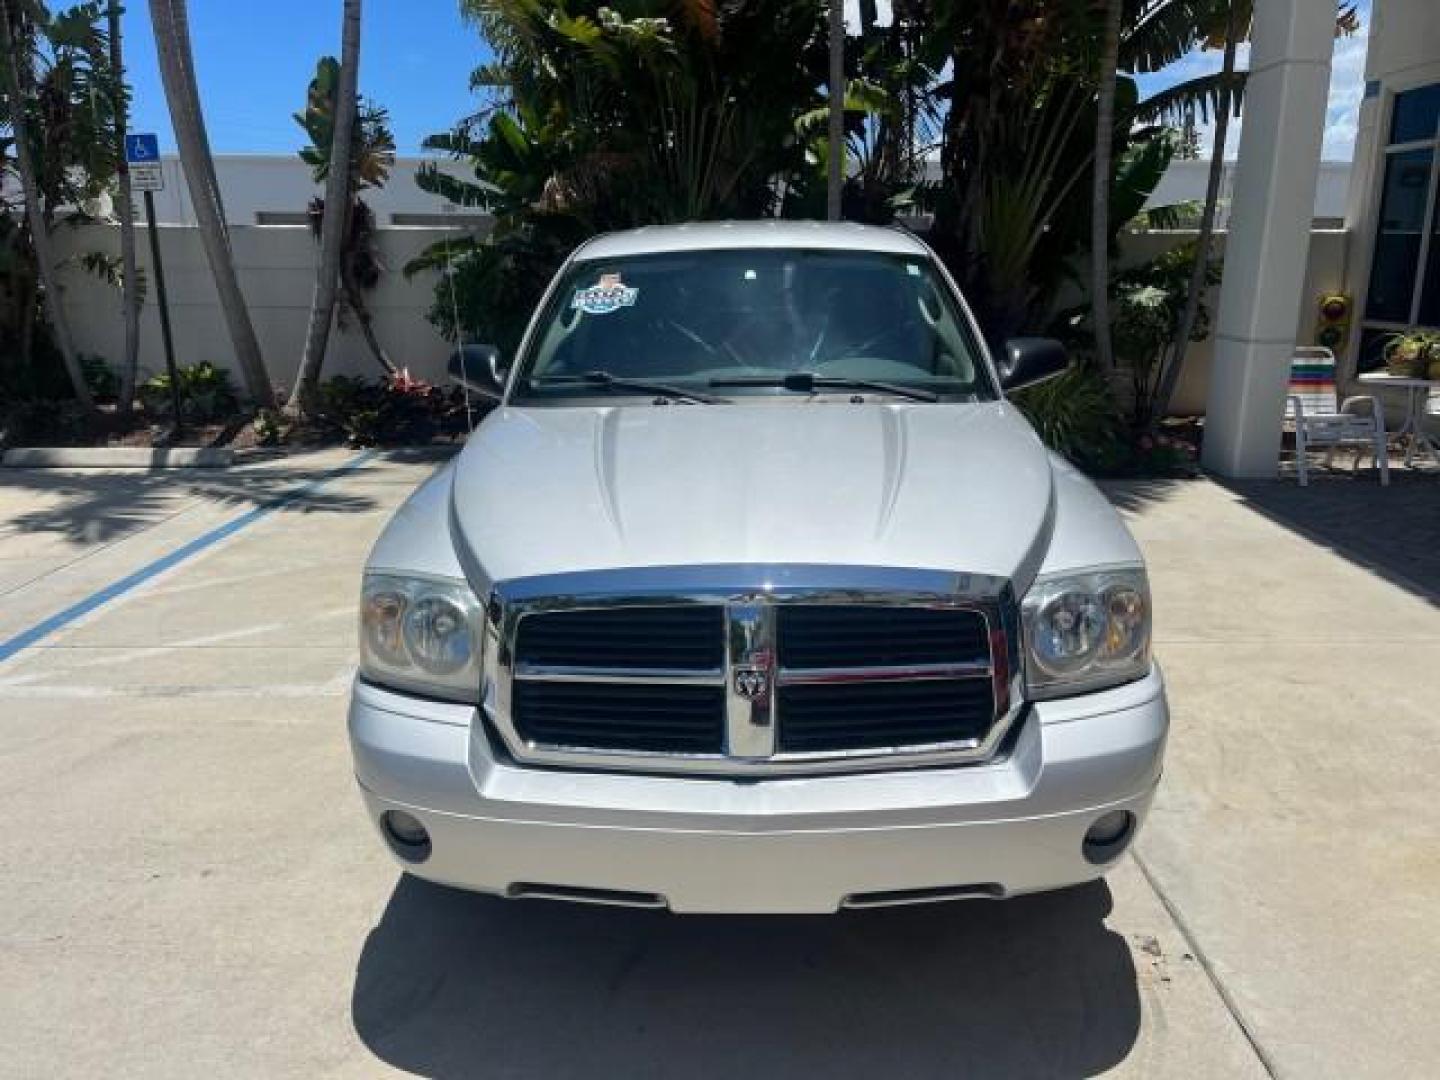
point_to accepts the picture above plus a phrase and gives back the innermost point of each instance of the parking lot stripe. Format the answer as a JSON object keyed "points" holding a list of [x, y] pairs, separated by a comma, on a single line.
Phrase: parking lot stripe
{"points": [[101, 597]]}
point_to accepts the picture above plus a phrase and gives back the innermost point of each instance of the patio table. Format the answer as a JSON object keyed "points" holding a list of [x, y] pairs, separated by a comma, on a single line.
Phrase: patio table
{"points": [[1417, 392]]}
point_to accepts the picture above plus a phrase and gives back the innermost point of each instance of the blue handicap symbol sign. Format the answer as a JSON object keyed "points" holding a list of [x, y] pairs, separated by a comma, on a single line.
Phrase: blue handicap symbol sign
{"points": [[142, 148]]}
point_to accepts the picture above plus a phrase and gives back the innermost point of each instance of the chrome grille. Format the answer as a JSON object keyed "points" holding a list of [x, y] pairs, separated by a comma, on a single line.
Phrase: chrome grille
{"points": [[751, 669]]}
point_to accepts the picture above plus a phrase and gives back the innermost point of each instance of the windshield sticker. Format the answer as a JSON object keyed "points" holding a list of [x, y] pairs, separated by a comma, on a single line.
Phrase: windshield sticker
{"points": [[611, 294]]}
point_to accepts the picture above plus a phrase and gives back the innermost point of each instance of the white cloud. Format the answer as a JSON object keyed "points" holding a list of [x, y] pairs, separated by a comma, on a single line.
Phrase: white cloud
{"points": [[1347, 89]]}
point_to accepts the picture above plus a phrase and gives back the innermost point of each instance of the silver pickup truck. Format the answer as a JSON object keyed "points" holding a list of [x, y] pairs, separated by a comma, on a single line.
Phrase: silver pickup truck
{"points": [[755, 594]]}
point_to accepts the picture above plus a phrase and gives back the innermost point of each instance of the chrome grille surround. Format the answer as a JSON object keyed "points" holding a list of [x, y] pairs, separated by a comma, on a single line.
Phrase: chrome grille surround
{"points": [[750, 594]]}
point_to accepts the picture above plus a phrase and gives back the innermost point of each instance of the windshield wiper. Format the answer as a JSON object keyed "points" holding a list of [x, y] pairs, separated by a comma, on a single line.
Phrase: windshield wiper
{"points": [[807, 382], [606, 381]]}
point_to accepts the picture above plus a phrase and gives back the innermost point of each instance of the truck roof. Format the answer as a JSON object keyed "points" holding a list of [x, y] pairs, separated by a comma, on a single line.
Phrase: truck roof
{"points": [[771, 233]]}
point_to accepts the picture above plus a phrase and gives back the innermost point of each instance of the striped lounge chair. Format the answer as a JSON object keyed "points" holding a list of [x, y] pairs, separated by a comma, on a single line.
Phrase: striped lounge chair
{"points": [[1321, 424]]}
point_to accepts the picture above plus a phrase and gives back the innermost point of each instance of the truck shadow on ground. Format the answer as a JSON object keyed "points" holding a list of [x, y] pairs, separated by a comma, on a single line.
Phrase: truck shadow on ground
{"points": [[452, 984]]}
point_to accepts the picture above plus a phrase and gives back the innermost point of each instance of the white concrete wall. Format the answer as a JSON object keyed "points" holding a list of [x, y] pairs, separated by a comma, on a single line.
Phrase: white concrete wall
{"points": [[276, 266], [277, 274], [252, 184], [1185, 181]]}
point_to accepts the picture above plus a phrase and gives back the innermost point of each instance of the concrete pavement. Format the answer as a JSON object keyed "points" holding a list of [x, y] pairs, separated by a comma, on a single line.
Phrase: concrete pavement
{"points": [[187, 884], [1297, 830]]}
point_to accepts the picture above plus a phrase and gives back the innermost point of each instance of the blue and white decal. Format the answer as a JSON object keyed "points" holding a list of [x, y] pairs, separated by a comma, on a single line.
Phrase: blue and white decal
{"points": [[610, 294]]}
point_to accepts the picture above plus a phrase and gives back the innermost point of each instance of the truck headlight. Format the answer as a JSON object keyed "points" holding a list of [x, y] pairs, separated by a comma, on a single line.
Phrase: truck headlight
{"points": [[421, 634], [1086, 631]]}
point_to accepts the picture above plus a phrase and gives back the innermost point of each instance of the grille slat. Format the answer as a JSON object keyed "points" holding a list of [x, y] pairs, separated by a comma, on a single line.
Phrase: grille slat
{"points": [[871, 636], [683, 637], [604, 716], [868, 716]]}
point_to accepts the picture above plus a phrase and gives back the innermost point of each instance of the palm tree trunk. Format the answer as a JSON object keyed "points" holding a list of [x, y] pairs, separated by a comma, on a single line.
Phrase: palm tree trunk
{"points": [[337, 214], [1100, 203], [355, 299], [180, 14], [34, 213], [130, 283], [176, 73], [835, 178], [1170, 375]]}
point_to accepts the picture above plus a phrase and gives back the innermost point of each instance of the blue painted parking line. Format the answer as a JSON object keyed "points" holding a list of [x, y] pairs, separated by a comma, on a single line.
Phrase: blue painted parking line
{"points": [[61, 619]]}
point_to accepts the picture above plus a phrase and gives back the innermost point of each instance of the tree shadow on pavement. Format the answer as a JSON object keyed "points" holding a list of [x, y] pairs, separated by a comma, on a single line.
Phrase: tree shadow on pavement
{"points": [[1135, 495], [456, 984], [96, 506], [1391, 531]]}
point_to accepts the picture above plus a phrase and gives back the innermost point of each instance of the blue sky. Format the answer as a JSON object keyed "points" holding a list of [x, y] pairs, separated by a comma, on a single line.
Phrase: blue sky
{"points": [[1347, 85], [255, 59]]}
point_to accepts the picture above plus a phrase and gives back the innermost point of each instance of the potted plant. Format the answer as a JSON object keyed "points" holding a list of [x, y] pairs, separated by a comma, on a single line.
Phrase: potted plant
{"points": [[1415, 354]]}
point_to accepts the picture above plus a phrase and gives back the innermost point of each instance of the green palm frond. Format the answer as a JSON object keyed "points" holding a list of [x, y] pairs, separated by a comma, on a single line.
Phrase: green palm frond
{"points": [[1161, 33], [429, 178], [1200, 96]]}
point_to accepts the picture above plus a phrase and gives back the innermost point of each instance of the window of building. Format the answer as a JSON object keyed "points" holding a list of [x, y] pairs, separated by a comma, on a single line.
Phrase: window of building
{"points": [[1404, 288], [281, 217]]}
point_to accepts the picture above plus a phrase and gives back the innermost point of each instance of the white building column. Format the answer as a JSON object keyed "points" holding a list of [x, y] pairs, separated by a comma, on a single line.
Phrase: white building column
{"points": [[1269, 234]]}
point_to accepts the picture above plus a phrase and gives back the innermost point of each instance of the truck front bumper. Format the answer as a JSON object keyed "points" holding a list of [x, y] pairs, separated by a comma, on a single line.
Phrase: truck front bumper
{"points": [[796, 844]]}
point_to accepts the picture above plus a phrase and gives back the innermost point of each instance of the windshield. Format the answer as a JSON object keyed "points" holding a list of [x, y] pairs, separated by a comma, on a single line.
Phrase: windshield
{"points": [[695, 319]]}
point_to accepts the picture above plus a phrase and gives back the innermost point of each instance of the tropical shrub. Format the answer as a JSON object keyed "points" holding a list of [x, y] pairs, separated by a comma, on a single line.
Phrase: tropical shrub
{"points": [[270, 427], [206, 394], [393, 410], [45, 422], [598, 119], [1148, 302], [100, 377], [1076, 416], [68, 92]]}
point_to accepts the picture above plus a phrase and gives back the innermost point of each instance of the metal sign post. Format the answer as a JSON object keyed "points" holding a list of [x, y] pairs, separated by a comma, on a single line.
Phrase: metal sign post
{"points": [[142, 153]]}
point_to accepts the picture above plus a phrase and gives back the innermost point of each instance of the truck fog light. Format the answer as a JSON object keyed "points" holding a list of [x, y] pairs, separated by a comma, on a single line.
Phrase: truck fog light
{"points": [[1107, 837], [408, 838]]}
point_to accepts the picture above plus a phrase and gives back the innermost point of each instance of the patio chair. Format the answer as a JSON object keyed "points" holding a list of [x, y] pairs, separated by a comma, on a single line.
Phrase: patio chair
{"points": [[1320, 424]]}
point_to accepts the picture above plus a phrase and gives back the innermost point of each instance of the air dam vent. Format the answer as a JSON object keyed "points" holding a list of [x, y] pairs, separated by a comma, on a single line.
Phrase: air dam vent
{"points": [[529, 890], [936, 894]]}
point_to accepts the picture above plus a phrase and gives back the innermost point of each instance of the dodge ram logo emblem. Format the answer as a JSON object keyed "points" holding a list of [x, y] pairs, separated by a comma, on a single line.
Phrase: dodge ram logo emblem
{"points": [[751, 682]]}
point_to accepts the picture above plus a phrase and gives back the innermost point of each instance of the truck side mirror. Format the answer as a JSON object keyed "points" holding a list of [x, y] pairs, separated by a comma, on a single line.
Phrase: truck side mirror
{"points": [[480, 369], [1031, 360]]}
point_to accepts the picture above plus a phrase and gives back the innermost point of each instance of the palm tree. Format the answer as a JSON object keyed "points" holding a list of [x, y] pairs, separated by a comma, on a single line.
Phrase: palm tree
{"points": [[14, 57], [129, 281], [337, 213], [835, 160], [372, 156], [1100, 210], [172, 44], [1170, 375]]}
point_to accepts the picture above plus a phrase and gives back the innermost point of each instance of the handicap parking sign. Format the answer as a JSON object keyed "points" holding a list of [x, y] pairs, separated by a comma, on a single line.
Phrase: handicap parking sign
{"points": [[142, 153], [142, 149]]}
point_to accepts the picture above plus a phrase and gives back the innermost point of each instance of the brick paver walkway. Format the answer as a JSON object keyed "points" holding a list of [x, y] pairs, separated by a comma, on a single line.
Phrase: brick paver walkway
{"points": [[1394, 530]]}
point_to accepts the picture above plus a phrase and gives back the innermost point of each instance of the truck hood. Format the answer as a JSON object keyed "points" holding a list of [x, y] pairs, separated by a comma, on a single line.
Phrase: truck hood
{"points": [[965, 487]]}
